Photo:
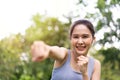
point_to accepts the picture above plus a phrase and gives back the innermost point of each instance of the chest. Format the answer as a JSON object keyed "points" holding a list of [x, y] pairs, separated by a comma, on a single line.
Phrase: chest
{"points": [[66, 74]]}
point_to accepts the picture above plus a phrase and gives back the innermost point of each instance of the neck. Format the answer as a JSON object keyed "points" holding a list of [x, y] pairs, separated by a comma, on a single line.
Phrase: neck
{"points": [[74, 63], [74, 55]]}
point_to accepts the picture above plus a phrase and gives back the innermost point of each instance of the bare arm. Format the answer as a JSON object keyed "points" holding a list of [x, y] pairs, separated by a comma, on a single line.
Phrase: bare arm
{"points": [[40, 51], [57, 53], [97, 71]]}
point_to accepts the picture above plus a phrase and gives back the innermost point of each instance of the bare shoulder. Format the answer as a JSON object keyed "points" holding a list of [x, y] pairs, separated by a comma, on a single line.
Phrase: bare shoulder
{"points": [[97, 62], [97, 70]]}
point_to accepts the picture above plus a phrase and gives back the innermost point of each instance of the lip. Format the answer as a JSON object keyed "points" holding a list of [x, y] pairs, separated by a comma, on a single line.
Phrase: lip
{"points": [[80, 48]]}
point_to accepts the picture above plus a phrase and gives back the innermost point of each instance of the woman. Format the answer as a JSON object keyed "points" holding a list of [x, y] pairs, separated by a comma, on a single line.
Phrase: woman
{"points": [[72, 64]]}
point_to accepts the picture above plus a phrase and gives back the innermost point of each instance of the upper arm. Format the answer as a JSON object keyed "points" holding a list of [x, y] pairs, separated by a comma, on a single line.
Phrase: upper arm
{"points": [[58, 53], [97, 71]]}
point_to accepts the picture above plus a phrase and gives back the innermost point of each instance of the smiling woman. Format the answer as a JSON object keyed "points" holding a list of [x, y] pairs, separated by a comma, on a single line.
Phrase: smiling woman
{"points": [[74, 63]]}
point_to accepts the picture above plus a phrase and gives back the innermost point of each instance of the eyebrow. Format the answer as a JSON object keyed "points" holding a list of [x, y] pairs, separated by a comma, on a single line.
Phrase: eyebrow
{"points": [[78, 34]]}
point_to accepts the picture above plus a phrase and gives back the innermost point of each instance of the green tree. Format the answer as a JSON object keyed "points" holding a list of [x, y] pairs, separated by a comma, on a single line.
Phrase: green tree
{"points": [[10, 49], [16, 48], [108, 21], [104, 15], [110, 62], [51, 31]]}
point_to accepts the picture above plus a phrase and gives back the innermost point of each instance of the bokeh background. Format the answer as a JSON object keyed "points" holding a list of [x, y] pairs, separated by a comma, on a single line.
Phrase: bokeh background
{"points": [[24, 21]]}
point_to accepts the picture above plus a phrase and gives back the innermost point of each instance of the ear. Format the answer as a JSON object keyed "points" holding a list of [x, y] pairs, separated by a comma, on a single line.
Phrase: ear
{"points": [[94, 39]]}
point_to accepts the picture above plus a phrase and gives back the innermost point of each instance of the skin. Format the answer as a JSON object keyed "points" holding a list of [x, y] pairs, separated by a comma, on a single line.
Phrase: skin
{"points": [[81, 41]]}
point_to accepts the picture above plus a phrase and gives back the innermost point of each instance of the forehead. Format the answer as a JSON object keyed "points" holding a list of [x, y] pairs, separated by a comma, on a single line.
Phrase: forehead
{"points": [[81, 29]]}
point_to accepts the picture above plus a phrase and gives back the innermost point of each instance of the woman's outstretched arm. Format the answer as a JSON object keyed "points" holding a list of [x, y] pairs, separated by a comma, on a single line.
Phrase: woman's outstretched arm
{"points": [[40, 51]]}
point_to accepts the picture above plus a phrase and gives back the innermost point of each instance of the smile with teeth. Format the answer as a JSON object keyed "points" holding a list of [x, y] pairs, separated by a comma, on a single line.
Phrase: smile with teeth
{"points": [[80, 48]]}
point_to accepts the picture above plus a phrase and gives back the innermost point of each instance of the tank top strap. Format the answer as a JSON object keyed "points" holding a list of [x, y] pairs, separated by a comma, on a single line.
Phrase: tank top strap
{"points": [[69, 56], [67, 62], [91, 66]]}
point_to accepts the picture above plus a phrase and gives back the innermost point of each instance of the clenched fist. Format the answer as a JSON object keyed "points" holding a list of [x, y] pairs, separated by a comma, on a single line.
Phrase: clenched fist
{"points": [[83, 64], [39, 51]]}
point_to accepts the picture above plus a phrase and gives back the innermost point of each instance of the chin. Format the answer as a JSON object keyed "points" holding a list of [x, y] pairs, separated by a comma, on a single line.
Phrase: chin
{"points": [[78, 52], [81, 54]]}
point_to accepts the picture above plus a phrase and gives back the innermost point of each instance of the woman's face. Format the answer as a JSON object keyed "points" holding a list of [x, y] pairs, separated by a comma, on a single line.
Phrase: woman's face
{"points": [[81, 40]]}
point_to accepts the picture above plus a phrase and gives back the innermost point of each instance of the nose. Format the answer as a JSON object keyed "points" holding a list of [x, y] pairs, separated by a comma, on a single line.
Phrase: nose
{"points": [[80, 41]]}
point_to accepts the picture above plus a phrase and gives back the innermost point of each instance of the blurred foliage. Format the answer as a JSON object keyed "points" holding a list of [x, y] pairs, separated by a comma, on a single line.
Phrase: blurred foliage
{"points": [[108, 22], [9, 56], [50, 30], [110, 60], [104, 16], [15, 58], [53, 32]]}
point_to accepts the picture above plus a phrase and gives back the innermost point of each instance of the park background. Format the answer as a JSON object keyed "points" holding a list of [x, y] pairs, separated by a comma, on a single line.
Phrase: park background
{"points": [[52, 26]]}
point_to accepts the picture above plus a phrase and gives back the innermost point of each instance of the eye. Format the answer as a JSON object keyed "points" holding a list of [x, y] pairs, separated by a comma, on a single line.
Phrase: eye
{"points": [[75, 36], [85, 36]]}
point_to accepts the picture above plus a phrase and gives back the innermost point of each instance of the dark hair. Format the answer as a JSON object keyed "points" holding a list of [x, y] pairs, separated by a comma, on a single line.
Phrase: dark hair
{"points": [[87, 23]]}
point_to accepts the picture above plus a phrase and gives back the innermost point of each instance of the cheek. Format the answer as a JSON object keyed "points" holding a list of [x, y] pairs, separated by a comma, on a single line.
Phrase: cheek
{"points": [[73, 42], [89, 42]]}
